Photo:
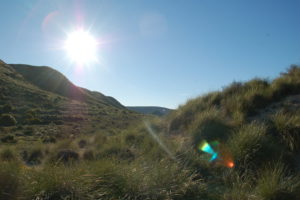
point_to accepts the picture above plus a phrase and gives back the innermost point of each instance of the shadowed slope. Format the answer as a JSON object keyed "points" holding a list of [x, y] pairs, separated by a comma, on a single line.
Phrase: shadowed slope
{"points": [[42, 95], [51, 80]]}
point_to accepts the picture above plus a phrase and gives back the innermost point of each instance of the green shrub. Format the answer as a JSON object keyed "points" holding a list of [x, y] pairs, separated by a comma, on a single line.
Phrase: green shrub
{"points": [[7, 120]]}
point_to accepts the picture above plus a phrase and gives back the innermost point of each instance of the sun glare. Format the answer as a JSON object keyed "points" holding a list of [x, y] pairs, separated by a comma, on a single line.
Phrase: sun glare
{"points": [[81, 47]]}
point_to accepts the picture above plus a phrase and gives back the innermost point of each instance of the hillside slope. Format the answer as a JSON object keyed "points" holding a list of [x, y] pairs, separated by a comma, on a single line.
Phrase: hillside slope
{"points": [[256, 120], [42, 95], [239, 102], [53, 81]]}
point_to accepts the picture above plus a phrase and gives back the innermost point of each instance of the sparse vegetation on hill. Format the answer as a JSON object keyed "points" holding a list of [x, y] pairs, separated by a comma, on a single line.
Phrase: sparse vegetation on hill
{"points": [[61, 148]]}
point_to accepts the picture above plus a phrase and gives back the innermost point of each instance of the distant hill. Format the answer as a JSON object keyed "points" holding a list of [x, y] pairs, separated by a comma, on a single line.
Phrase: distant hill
{"points": [[42, 95], [51, 80], [150, 110]]}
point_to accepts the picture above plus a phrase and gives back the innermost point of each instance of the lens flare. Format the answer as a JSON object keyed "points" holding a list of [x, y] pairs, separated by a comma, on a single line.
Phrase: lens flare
{"points": [[218, 153], [230, 164], [205, 147]]}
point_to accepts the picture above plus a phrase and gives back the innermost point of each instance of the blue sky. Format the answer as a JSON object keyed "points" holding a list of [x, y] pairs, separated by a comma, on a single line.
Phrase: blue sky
{"points": [[158, 52]]}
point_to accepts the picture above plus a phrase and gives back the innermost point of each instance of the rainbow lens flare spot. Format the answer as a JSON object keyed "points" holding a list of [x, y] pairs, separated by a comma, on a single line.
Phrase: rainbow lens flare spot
{"points": [[205, 147]]}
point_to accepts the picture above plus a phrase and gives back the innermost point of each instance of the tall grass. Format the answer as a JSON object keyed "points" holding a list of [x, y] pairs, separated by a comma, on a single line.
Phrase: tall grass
{"points": [[132, 164], [287, 129], [55, 182], [238, 101], [251, 146], [239, 186], [276, 182], [210, 125], [140, 180], [10, 181]]}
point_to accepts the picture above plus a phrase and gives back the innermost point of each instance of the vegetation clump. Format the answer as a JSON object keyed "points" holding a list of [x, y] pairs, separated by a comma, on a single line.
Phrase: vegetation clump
{"points": [[33, 156], [8, 154], [7, 108], [49, 139], [67, 155], [7, 120], [8, 139]]}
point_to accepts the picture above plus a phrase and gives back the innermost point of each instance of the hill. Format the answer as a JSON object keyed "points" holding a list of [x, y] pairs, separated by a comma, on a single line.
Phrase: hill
{"points": [[242, 142], [150, 110], [51, 80], [252, 127], [42, 95]]}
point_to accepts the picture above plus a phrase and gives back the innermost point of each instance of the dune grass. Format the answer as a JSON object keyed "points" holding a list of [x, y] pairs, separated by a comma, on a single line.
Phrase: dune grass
{"points": [[159, 158]]}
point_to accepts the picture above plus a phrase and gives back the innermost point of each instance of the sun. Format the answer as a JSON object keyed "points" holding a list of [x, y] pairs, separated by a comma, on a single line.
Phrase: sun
{"points": [[81, 47]]}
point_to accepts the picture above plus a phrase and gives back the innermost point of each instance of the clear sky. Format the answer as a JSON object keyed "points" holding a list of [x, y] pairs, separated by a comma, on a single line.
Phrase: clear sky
{"points": [[156, 52]]}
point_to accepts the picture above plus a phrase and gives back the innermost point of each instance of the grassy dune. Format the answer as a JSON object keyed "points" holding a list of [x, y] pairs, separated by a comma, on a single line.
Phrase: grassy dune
{"points": [[255, 123]]}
